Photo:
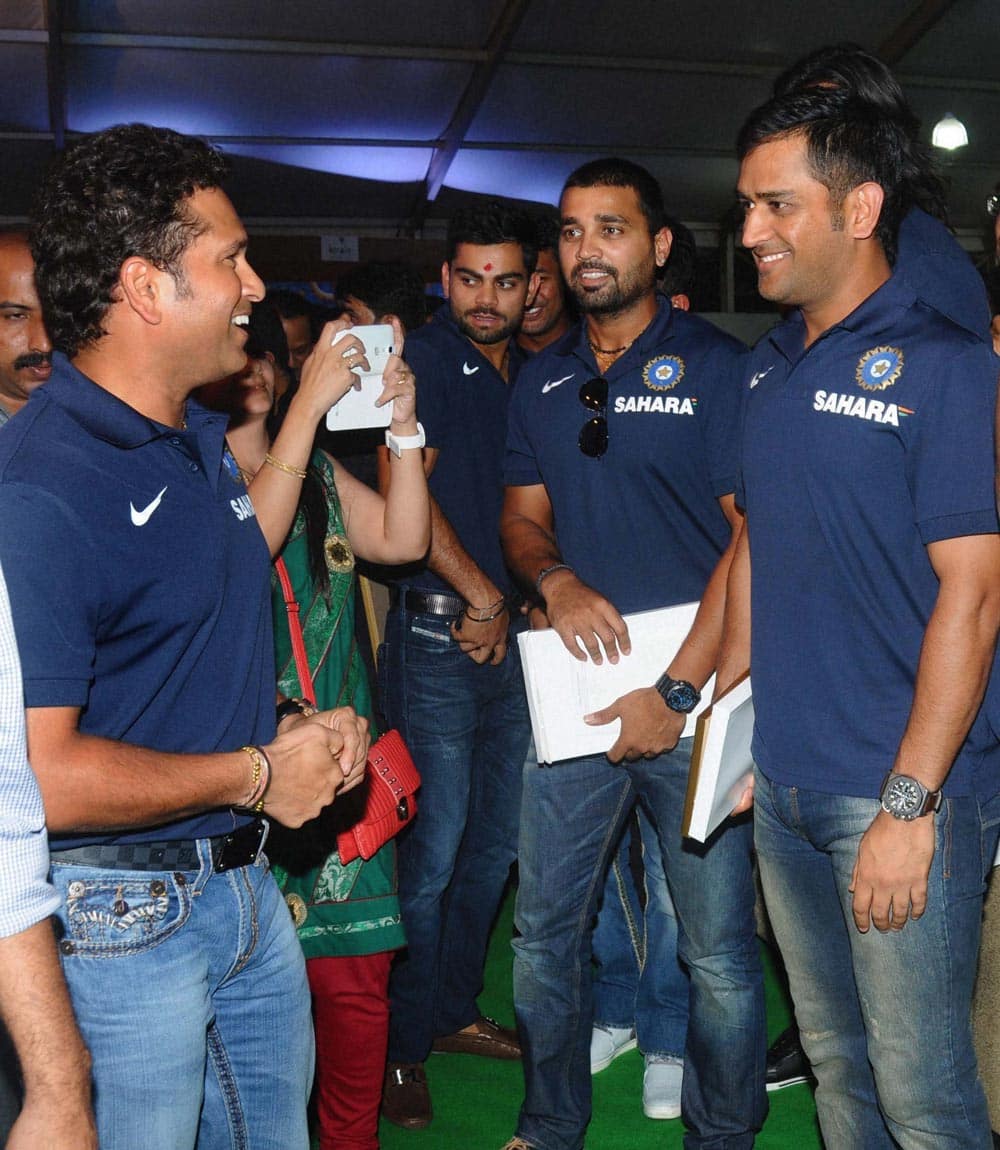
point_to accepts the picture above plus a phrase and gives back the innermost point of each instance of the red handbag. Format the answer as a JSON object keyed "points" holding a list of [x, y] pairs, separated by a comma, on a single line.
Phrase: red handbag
{"points": [[391, 778]]}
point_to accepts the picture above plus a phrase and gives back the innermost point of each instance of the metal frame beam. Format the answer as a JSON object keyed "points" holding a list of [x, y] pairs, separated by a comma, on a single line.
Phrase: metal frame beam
{"points": [[471, 100]]}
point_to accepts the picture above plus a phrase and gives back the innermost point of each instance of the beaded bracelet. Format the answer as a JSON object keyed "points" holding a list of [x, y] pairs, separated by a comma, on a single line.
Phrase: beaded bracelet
{"points": [[286, 467], [546, 571]]}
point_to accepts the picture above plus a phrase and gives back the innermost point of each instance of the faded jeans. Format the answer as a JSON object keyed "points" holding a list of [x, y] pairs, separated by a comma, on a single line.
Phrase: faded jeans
{"points": [[884, 1018], [194, 1003]]}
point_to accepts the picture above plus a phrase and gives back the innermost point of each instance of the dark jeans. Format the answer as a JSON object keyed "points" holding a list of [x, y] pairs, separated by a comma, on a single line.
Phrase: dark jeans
{"points": [[572, 815], [467, 728]]}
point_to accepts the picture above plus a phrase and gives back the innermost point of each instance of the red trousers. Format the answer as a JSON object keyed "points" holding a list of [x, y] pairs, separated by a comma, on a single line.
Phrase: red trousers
{"points": [[351, 1010]]}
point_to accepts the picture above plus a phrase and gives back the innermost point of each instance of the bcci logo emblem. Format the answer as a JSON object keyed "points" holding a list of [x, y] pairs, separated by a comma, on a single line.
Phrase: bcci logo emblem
{"points": [[879, 368], [663, 373]]}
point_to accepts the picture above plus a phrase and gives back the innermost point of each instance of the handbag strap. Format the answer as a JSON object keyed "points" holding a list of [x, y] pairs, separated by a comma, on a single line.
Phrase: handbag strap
{"points": [[295, 631]]}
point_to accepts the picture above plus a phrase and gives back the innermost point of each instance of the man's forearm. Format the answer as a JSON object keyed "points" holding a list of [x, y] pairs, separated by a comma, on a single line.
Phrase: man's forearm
{"points": [[734, 649], [528, 549], [449, 559], [955, 662], [698, 656], [95, 784], [36, 1008]]}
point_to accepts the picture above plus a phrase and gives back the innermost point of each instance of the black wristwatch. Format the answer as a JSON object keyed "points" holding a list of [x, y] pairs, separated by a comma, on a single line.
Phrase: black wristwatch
{"points": [[678, 694], [293, 707], [906, 798]]}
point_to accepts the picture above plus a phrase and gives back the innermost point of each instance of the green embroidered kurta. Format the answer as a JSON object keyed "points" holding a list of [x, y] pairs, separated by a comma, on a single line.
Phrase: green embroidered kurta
{"points": [[338, 910]]}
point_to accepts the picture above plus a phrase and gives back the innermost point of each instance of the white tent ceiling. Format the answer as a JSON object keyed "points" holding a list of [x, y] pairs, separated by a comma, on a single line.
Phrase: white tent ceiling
{"points": [[381, 115]]}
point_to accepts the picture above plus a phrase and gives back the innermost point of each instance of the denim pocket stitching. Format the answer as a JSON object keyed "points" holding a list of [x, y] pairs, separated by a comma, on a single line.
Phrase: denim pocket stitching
{"points": [[90, 913]]}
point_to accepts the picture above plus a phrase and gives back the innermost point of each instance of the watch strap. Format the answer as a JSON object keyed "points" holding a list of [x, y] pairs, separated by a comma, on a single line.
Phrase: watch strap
{"points": [[666, 685], [397, 444]]}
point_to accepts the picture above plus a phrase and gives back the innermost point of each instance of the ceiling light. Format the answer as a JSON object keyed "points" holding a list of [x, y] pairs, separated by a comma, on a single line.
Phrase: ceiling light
{"points": [[949, 133]]}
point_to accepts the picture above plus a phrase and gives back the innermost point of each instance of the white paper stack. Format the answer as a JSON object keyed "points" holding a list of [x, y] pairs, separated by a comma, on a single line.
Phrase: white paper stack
{"points": [[561, 689], [721, 763]]}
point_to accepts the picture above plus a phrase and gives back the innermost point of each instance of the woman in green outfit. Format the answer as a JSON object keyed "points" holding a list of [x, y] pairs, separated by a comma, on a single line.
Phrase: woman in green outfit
{"points": [[347, 916]]}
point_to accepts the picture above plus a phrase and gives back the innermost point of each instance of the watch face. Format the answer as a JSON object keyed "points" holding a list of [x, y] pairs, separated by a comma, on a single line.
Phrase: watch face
{"points": [[682, 697], [903, 796]]}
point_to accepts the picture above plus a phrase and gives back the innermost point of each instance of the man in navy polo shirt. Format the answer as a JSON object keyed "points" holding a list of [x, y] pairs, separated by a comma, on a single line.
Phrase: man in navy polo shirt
{"points": [[453, 681], [139, 588], [867, 478], [621, 464]]}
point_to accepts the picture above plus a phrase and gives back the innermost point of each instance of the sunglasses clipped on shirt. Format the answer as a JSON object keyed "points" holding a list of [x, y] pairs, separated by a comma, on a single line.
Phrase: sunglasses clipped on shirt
{"points": [[593, 441]]}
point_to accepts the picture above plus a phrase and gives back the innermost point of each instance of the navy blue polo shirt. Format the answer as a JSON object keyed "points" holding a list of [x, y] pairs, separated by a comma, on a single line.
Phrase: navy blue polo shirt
{"points": [[642, 524], [138, 579], [857, 454], [462, 403], [941, 273]]}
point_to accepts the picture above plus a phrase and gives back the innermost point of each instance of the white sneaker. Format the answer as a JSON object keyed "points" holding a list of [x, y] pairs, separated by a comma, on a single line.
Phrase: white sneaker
{"points": [[661, 1086], [606, 1043]]}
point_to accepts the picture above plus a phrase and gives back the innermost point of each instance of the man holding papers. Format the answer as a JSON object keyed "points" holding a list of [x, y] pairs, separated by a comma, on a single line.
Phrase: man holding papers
{"points": [[620, 469], [867, 478]]}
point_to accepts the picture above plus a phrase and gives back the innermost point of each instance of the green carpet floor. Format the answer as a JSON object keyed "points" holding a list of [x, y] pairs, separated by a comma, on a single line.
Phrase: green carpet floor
{"points": [[476, 1100]]}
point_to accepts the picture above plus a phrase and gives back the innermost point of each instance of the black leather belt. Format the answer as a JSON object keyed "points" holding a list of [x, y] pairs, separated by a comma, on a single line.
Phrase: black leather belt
{"points": [[433, 603], [239, 848]]}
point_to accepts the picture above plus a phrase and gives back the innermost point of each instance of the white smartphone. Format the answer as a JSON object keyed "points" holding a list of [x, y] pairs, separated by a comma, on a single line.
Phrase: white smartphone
{"points": [[357, 408]]}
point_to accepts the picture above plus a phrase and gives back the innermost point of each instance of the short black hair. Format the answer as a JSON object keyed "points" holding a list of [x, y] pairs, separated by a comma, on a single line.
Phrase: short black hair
{"points": [[679, 270], [267, 335], [290, 304], [388, 288], [494, 223], [849, 142], [849, 68], [548, 226], [614, 172], [114, 194]]}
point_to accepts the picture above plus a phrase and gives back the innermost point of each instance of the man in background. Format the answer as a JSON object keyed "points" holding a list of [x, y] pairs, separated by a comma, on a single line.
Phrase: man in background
{"points": [[25, 350], [547, 311], [451, 673]]}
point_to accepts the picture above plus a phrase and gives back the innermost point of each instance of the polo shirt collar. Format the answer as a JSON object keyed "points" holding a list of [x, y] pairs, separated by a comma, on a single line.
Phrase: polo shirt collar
{"points": [[881, 311], [107, 417], [659, 328], [445, 319]]}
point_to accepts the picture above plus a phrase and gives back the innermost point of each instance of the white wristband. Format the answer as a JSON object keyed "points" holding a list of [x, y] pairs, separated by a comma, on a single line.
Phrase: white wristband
{"points": [[397, 444]]}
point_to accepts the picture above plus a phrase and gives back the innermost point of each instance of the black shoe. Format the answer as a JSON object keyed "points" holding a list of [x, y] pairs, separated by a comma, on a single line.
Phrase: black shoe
{"points": [[786, 1061], [406, 1101]]}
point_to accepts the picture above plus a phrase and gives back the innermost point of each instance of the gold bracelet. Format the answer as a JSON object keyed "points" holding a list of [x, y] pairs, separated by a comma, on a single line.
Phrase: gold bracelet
{"points": [[286, 467], [257, 763], [265, 782]]}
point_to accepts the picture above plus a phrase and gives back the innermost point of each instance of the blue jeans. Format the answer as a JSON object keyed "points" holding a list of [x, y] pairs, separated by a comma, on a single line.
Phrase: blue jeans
{"points": [[467, 728], [572, 815], [884, 1018], [194, 1004], [638, 981]]}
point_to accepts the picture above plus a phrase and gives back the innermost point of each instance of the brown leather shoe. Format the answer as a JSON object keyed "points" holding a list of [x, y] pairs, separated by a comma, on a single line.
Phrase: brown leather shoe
{"points": [[406, 1101], [484, 1037]]}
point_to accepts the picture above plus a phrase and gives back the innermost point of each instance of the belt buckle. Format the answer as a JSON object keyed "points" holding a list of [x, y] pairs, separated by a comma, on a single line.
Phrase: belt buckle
{"points": [[242, 847]]}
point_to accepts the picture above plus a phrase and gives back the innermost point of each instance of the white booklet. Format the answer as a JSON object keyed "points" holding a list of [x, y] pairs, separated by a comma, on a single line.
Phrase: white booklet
{"points": [[561, 689], [721, 763]]}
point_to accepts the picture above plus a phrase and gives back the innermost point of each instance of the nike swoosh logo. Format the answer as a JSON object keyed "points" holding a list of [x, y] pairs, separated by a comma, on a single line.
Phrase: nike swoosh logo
{"points": [[470, 370], [141, 518], [551, 383], [759, 375]]}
